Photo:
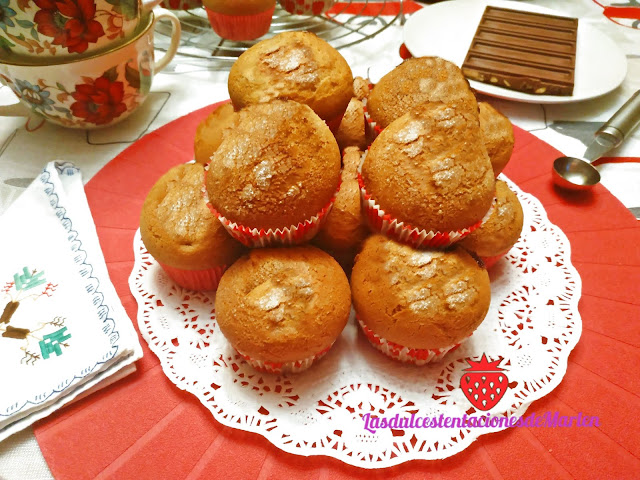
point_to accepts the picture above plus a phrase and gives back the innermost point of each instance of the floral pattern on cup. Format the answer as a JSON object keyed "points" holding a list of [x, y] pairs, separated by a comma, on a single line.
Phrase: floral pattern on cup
{"points": [[95, 91], [64, 27], [94, 102]]}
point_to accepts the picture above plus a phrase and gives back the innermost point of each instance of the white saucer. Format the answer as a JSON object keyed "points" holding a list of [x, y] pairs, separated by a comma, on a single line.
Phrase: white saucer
{"points": [[446, 30]]}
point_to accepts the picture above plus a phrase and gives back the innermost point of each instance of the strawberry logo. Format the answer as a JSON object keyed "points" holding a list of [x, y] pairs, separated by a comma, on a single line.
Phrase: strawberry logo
{"points": [[484, 383]]}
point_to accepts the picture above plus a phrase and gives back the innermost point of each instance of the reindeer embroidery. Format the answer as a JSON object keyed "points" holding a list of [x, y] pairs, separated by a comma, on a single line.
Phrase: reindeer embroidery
{"points": [[23, 288]]}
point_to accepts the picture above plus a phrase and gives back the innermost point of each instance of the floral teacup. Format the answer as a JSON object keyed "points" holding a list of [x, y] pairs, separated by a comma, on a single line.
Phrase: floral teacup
{"points": [[64, 28], [95, 91]]}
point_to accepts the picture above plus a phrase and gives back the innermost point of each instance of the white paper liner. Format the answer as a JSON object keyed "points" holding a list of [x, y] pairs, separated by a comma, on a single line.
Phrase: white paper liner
{"points": [[416, 356], [285, 367], [405, 233]]}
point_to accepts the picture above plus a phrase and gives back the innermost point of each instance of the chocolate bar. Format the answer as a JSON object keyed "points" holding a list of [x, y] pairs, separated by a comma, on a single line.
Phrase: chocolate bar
{"points": [[528, 52]]}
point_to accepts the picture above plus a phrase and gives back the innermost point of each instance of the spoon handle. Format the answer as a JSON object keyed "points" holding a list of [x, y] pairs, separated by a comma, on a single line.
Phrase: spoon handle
{"points": [[623, 121]]}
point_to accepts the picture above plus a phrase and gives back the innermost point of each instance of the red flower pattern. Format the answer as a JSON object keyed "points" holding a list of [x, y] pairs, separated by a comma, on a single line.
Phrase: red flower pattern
{"points": [[70, 23], [99, 102]]}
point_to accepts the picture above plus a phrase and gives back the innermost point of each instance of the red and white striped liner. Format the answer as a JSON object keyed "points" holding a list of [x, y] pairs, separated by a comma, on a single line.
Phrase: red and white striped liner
{"points": [[284, 367], [259, 237], [406, 233], [491, 261], [373, 129], [415, 356], [199, 280]]}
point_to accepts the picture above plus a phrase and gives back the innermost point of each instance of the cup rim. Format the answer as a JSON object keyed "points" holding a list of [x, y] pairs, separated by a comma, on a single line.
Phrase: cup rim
{"points": [[45, 63]]}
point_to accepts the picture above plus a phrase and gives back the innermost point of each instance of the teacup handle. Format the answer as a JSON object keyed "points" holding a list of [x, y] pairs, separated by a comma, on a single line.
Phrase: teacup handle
{"points": [[148, 5], [14, 110], [175, 36], [19, 110]]}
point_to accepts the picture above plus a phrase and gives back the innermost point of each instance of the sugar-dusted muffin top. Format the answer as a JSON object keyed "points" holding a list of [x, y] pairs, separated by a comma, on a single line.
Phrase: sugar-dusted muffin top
{"points": [[425, 299], [177, 227], [414, 82], [210, 132], [239, 7], [429, 168], [283, 304], [296, 66], [278, 166], [502, 229], [497, 133]]}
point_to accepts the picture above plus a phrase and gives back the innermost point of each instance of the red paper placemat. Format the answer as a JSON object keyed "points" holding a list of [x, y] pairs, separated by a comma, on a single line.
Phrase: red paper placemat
{"points": [[145, 427]]}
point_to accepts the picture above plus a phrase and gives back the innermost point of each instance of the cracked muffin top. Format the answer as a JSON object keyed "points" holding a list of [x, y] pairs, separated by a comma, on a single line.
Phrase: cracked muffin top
{"points": [[295, 66], [178, 228], [425, 299], [278, 166], [283, 304], [430, 169], [416, 81]]}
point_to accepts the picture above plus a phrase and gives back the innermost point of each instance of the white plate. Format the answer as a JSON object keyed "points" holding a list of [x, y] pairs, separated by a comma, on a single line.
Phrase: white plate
{"points": [[446, 30]]}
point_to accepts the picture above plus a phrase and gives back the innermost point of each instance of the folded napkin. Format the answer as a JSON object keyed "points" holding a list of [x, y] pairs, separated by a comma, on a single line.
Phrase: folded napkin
{"points": [[63, 329]]}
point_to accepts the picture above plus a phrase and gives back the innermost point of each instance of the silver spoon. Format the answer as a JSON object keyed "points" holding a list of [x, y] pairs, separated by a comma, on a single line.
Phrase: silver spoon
{"points": [[578, 173]]}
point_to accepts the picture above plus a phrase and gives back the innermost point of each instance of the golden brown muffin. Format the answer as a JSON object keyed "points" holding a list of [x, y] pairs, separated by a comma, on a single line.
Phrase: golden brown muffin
{"points": [[360, 88], [423, 299], [295, 66], [417, 81], [351, 132], [283, 304], [210, 131], [239, 7], [351, 159], [497, 133], [502, 229], [345, 227], [429, 168], [182, 234], [279, 166]]}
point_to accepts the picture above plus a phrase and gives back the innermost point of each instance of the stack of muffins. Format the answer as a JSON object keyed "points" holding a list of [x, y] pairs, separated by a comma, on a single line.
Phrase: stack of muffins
{"points": [[394, 184]]}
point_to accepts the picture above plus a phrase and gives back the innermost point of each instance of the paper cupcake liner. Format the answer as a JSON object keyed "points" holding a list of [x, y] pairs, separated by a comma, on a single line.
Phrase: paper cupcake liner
{"points": [[284, 367], [259, 237], [240, 27], [198, 280], [306, 7], [406, 233], [415, 356], [491, 261]]}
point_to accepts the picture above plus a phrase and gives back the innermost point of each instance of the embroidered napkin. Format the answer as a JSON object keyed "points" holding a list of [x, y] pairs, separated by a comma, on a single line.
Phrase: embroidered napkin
{"points": [[63, 329]]}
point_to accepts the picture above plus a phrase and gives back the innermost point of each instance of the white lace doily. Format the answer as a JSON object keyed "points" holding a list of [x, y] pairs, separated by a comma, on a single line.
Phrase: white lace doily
{"points": [[533, 324]]}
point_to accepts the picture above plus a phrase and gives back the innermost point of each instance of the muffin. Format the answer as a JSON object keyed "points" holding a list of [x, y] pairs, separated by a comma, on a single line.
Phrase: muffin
{"points": [[414, 82], [427, 179], [345, 228], [361, 88], [209, 132], [181, 233], [502, 229], [306, 7], [417, 305], [283, 308], [351, 132], [274, 177], [351, 160], [295, 66], [240, 20], [497, 133]]}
